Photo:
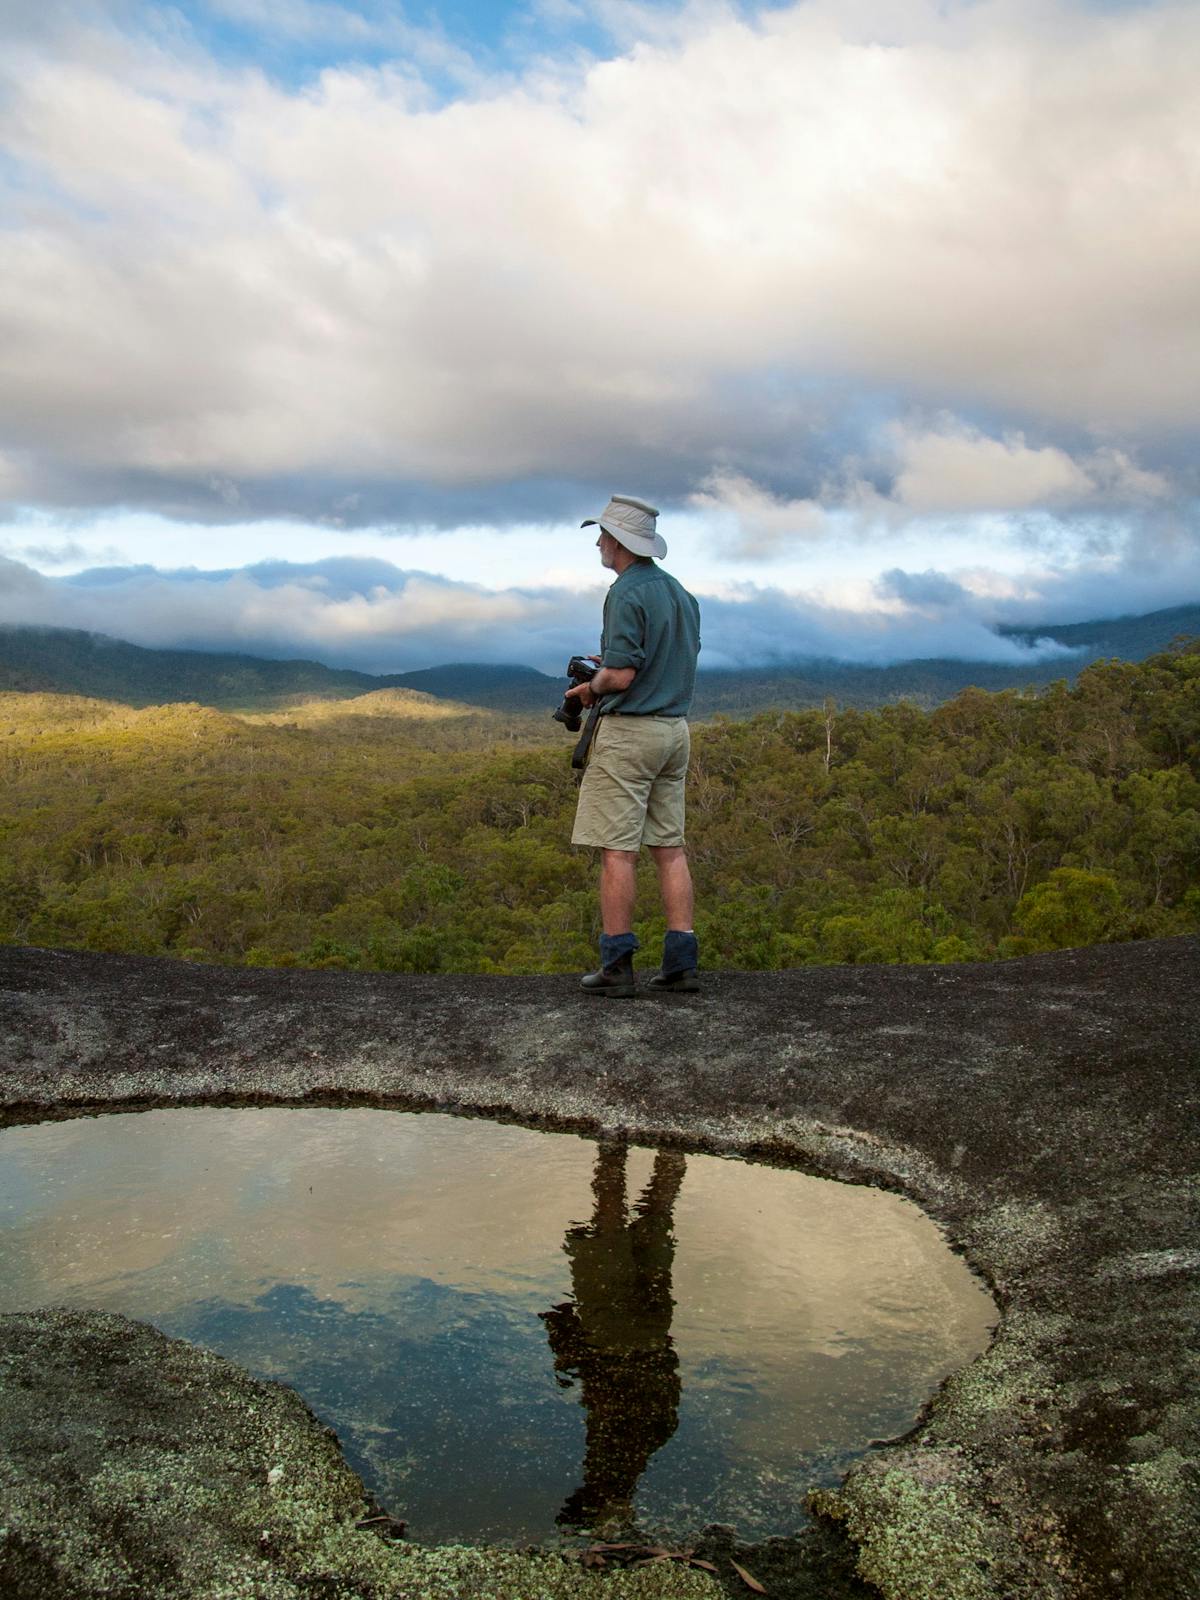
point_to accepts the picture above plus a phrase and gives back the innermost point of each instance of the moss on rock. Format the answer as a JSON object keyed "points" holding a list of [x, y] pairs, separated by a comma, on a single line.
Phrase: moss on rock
{"points": [[137, 1467], [917, 1534]]}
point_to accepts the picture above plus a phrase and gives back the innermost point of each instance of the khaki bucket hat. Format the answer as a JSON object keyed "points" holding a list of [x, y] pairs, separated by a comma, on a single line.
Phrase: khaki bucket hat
{"points": [[633, 524]]}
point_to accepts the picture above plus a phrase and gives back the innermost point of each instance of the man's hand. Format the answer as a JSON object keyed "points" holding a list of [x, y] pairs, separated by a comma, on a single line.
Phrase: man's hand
{"points": [[583, 693], [609, 680]]}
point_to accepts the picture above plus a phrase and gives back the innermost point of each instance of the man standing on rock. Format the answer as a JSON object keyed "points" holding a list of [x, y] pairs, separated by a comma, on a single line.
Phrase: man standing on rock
{"points": [[633, 785]]}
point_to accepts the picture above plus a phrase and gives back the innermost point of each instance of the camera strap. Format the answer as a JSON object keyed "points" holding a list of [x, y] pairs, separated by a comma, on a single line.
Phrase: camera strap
{"points": [[580, 753]]}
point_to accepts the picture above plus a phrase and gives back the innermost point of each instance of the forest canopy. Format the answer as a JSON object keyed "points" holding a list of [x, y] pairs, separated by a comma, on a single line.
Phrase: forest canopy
{"points": [[392, 833]]}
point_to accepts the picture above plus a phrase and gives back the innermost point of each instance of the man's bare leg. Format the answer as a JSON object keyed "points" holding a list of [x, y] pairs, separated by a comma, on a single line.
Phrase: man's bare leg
{"points": [[618, 890], [674, 884]]}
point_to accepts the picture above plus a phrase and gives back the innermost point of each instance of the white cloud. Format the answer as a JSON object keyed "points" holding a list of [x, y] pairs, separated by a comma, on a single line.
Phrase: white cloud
{"points": [[750, 522], [958, 469], [1000, 491], [210, 278]]}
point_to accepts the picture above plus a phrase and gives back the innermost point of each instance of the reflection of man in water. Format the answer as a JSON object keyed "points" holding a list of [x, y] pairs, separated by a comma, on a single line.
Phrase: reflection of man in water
{"points": [[615, 1335]]}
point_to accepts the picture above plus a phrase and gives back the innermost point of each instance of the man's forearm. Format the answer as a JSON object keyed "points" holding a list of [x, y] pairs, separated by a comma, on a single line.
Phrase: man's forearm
{"points": [[612, 680]]}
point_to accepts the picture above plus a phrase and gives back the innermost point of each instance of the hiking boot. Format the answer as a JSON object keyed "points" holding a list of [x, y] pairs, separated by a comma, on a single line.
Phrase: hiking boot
{"points": [[616, 980], [683, 982]]}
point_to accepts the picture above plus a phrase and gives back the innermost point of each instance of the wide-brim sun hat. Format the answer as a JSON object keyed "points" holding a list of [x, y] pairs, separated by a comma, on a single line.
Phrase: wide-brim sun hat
{"points": [[633, 524]]}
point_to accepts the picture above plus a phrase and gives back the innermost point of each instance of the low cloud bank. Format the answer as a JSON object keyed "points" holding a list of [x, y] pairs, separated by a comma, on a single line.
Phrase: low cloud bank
{"points": [[376, 617]]}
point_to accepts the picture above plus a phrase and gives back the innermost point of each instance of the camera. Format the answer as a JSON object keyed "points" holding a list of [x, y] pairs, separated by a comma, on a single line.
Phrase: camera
{"points": [[580, 670]]}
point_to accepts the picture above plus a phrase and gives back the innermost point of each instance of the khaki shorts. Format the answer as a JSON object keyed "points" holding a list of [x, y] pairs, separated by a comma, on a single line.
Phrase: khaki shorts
{"points": [[632, 789]]}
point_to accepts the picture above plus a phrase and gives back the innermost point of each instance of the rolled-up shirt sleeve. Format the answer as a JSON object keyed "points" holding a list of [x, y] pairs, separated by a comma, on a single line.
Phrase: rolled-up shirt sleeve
{"points": [[624, 633]]}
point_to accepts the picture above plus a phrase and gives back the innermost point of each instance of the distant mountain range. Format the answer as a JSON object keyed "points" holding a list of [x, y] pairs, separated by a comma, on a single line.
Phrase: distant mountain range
{"points": [[1129, 638], [67, 661]]}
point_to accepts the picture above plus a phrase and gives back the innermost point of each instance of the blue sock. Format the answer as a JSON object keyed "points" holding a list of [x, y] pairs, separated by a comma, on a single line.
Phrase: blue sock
{"points": [[615, 945], [681, 952]]}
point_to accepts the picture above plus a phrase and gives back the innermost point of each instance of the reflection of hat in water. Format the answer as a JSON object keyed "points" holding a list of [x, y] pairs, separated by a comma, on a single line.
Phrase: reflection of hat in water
{"points": [[631, 523]]}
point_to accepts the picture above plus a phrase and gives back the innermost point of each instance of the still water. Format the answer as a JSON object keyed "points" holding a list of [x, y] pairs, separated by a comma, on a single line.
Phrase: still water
{"points": [[516, 1335]]}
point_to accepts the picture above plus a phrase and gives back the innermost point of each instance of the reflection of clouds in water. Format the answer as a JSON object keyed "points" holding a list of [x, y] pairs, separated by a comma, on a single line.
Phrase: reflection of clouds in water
{"points": [[107, 1200], [827, 1298], [767, 1259], [838, 1256], [421, 1388], [328, 1199], [808, 1313]]}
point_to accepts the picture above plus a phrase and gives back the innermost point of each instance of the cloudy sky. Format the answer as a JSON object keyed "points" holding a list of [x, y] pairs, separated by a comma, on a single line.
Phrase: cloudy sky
{"points": [[323, 325]]}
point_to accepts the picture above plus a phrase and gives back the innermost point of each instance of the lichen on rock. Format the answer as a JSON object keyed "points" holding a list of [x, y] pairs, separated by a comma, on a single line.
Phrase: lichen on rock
{"points": [[138, 1467]]}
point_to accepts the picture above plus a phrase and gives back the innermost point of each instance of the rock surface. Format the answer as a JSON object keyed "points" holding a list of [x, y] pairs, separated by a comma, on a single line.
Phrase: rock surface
{"points": [[1043, 1110], [136, 1465]]}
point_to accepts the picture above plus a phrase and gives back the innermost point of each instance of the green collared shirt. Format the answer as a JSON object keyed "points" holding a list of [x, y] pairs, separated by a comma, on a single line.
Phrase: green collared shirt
{"points": [[651, 623]]}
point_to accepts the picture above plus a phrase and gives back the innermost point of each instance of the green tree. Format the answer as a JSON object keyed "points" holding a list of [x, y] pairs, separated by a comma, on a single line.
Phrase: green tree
{"points": [[1070, 908]]}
